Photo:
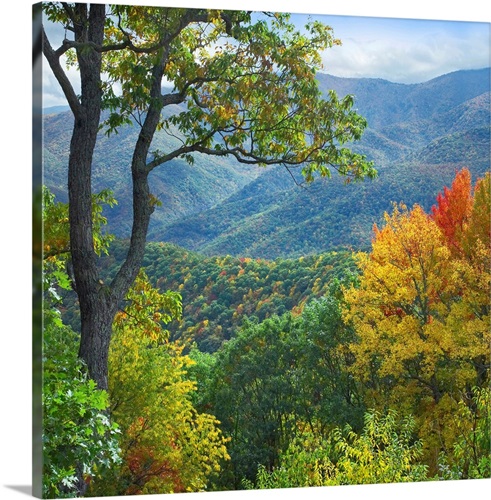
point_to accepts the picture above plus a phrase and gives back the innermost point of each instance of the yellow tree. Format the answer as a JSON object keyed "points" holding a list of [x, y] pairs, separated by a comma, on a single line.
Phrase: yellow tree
{"points": [[403, 298], [167, 446], [421, 312]]}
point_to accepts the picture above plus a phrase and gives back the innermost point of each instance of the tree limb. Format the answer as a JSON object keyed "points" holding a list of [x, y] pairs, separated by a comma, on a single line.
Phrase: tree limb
{"points": [[53, 59]]}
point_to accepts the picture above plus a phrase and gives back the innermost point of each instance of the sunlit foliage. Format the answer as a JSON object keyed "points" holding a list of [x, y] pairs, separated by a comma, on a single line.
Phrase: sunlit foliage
{"points": [[421, 312], [167, 445], [384, 452]]}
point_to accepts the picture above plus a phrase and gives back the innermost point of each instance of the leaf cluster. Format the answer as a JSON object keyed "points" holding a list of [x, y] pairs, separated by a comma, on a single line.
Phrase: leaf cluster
{"points": [[80, 441], [384, 452]]}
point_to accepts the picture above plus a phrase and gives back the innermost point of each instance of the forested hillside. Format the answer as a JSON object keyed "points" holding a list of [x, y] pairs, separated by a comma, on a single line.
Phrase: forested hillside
{"points": [[418, 136], [327, 214], [219, 293], [182, 188]]}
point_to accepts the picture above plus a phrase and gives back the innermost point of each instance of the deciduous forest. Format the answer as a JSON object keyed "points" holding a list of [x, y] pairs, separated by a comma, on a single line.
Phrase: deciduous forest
{"points": [[341, 368], [166, 369]]}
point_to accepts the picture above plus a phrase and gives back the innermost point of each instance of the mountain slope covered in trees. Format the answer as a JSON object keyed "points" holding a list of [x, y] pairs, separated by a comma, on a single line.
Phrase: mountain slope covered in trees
{"points": [[418, 136], [327, 214], [182, 188], [220, 293]]}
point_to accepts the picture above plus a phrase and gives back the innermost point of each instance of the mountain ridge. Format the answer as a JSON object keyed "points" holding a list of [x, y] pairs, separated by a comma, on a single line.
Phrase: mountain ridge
{"points": [[415, 131]]}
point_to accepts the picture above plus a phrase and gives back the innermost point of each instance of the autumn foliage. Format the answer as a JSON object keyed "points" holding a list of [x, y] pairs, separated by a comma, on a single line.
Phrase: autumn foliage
{"points": [[421, 312], [453, 209], [167, 446], [384, 378]]}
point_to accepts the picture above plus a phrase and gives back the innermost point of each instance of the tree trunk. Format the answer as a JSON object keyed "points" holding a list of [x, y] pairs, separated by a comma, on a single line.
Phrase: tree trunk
{"points": [[98, 302], [96, 313], [94, 308]]}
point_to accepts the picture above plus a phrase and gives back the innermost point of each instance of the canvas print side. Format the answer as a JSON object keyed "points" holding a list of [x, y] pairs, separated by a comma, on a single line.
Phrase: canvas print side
{"points": [[37, 253]]}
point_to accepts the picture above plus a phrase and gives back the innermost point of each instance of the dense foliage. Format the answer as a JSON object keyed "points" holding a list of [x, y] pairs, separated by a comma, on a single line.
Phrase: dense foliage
{"points": [[167, 446], [275, 374], [384, 452], [80, 440], [144, 434], [421, 312], [374, 375], [410, 334], [220, 292]]}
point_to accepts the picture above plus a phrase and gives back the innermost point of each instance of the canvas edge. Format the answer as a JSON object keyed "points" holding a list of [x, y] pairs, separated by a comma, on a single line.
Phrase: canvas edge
{"points": [[37, 444]]}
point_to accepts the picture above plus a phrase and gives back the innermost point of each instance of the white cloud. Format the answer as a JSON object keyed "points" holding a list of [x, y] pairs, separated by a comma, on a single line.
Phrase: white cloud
{"points": [[399, 50], [406, 51], [52, 93]]}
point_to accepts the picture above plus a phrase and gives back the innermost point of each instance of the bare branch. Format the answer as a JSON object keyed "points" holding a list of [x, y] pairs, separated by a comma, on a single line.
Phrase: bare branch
{"points": [[53, 59]]}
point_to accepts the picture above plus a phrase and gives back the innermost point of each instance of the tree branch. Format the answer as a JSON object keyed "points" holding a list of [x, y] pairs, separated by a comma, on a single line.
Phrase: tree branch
{"points": [[53, 59]]}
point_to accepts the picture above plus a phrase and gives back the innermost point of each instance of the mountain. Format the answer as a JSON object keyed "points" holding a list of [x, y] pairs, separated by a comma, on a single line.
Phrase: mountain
{"points": [[384, 103], [416, 153], [54, 110], [182, 188], [418, 135]]}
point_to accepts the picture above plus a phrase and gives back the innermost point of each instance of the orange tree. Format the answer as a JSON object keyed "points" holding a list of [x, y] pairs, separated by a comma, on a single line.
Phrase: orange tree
{"points": [[421, 312]]}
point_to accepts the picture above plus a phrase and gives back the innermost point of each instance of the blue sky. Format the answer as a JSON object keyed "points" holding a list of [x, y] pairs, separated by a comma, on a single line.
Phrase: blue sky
{"points": [[404, 50], [407, 46]]}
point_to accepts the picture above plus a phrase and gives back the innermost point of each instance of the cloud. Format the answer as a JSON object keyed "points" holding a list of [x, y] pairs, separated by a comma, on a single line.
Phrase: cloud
{"points": [[398, 50], [52, 93], [406, 52]]}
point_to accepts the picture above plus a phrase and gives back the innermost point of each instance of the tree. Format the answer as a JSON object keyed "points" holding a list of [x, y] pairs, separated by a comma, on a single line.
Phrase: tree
{"points": [[453, 209], [332, 396], [244, 86], [470, 455], [255, 394], [272, 375], [421, 312], [470, 242], [167, 445], [401, 303]]}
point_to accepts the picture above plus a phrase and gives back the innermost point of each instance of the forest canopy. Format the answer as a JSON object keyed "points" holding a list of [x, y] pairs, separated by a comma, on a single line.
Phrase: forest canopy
{"points": [[383, 376]]}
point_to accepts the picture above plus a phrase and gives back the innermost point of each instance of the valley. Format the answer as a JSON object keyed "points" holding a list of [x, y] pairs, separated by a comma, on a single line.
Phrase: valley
{"points": [[418, 136]]}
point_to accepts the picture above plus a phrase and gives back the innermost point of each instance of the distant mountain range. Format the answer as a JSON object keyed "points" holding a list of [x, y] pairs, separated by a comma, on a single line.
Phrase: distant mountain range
{"points": [[418, 136]]}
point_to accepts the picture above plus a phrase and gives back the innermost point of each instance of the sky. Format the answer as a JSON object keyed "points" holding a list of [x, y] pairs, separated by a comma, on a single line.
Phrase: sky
{"points": [[404, 50], [375, 43]]}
